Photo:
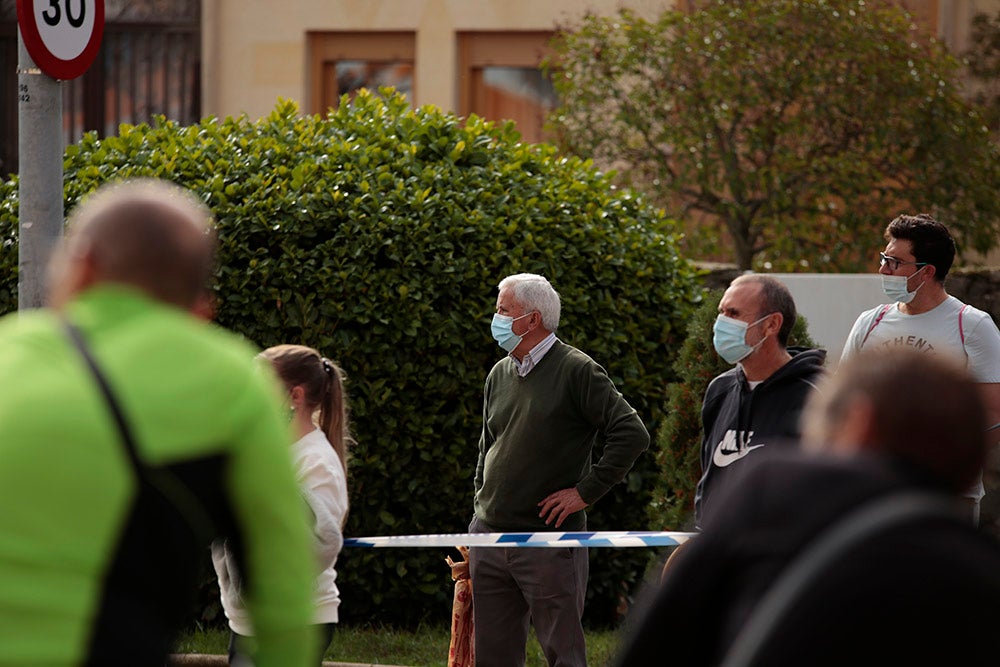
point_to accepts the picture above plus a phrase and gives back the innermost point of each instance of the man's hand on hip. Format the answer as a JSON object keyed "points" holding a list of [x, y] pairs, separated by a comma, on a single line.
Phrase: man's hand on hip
{"points": [[559, 505]]}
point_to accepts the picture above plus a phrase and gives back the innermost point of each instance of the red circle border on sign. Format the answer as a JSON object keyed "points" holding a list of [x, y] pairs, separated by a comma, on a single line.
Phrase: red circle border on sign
{"points": [[52, 65]]}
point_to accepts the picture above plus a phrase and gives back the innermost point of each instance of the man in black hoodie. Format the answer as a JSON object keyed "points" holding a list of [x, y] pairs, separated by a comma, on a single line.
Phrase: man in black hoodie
{"points": [[760, 400]]}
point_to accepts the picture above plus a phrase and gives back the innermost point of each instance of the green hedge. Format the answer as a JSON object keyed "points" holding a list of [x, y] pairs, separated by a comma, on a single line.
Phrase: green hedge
{"points": [[8, 245], [378, 234]]}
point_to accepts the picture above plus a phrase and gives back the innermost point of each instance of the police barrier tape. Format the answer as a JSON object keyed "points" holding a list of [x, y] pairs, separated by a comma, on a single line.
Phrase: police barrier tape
{"points": [[630, 538]]}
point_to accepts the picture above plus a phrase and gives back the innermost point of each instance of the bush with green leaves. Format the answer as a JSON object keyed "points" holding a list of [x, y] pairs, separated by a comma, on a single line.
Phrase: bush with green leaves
{"points": [[378, 234], [678, 442]]}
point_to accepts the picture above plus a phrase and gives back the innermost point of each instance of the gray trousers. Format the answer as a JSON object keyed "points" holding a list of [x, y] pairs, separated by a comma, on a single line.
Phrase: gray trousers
{"points": [[515, 586]]}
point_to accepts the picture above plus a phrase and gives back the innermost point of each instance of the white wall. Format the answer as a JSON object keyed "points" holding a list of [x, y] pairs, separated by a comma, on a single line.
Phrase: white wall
{"points": [[831, 302]]}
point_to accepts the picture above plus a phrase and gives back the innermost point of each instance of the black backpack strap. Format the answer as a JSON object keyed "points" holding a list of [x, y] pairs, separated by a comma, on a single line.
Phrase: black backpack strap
{"points": [[116, 412], [161, 480], [827, 548]]}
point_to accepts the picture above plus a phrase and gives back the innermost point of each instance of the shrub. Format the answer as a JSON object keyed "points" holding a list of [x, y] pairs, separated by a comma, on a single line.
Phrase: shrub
{"points": [[377, 234], [8, 245], [678, 442]]}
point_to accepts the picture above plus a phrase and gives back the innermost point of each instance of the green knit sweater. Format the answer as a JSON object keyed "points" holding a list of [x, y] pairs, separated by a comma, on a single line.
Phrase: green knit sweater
{"points": [[539, 432]]}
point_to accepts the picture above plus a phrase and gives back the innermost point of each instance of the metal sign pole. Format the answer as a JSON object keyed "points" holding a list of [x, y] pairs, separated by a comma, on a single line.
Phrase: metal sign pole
{"points": [[40, 151]]}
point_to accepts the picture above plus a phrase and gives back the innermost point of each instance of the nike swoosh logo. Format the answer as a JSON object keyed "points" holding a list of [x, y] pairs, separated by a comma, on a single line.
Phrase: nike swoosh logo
{"points": [[722, 457]]}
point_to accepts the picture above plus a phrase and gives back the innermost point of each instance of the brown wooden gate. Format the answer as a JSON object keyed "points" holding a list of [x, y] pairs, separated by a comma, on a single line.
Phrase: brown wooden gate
{"points": [[149, 64]]}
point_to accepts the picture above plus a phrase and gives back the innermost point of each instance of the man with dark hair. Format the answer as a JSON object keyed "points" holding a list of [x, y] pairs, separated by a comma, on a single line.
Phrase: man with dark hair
{"points": [[132, 434], [758, 402], [922, 315], [850, 550]]}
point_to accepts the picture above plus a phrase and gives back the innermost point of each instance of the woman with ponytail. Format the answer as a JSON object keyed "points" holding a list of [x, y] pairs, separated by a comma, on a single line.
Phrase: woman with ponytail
{"points": [[315, 390]]}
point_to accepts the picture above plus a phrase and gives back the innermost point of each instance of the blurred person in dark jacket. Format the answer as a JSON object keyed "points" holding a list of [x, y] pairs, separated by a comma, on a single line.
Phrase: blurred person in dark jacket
{"points": [[887, 429]]}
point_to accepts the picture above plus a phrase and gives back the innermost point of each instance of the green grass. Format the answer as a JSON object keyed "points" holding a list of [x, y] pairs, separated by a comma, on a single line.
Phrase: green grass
{"points": [[424, 647]]}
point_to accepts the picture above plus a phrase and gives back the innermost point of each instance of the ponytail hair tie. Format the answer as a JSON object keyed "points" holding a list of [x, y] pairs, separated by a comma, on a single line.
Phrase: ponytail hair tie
{"points": [[327, 366]]}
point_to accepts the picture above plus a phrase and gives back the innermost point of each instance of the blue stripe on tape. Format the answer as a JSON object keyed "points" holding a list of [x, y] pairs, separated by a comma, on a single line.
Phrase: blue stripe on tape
{"points": [[577, 536], [597, 542]]}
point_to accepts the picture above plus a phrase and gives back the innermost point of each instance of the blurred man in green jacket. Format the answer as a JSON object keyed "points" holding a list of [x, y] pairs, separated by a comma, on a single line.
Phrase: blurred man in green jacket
{"points": [[131, 435]]}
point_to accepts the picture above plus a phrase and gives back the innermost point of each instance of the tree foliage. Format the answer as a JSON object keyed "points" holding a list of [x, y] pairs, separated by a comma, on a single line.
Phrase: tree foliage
{"points": [[791, 128], [983, 60], [378, 234]]}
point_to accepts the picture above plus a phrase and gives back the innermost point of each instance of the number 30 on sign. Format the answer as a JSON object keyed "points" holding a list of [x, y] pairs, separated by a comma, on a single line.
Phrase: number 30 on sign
{"points": [[62, 36]]}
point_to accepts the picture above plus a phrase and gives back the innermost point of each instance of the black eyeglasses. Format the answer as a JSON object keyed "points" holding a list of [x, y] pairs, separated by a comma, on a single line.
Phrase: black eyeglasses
{"points": [[893, 263]]}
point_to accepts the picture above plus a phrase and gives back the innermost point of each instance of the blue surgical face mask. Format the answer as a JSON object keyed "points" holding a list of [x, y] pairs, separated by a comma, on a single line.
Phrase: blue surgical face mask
{"points": [[730, 338], [895, 287], [502, 329]]}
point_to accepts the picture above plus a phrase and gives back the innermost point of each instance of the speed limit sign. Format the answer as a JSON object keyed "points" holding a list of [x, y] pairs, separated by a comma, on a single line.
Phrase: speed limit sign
{"points": [[62, 36]]}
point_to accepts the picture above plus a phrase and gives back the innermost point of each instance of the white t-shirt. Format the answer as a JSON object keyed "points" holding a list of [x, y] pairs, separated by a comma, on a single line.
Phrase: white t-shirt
{"points": [[938, 331], [934, 332]]}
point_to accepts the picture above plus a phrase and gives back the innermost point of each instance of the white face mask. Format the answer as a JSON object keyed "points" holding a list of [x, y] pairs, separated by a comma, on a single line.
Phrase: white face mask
{"points": [[729, 337], [502, 328], [895, 287]]}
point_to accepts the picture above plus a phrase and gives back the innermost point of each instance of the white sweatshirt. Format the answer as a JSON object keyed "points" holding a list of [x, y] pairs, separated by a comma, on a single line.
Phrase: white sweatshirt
{"points": [[324, 488]]}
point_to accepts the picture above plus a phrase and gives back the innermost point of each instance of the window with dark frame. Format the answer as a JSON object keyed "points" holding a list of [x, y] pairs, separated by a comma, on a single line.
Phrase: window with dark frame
{"points": [[149, 64], [500, 79], [342, 63]]}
